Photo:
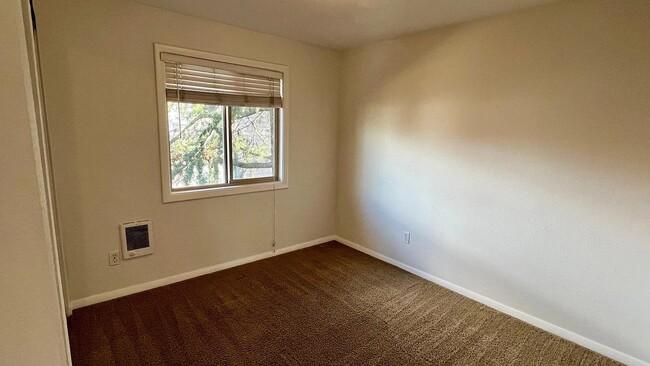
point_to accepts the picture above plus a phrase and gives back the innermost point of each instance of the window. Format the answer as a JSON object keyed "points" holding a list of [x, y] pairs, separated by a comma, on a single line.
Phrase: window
{"points": [[222, 124]]}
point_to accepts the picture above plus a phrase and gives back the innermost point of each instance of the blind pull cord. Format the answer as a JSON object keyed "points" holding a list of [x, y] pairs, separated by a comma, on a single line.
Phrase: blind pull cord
{"points": [[274, 243], [178, 99], [244, 90], [275, 133], [272, 91]]}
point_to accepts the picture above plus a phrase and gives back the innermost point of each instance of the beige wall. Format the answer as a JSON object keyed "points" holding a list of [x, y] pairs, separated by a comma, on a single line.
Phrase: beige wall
{"points": [[516, 150], [98, 71], [32, 323]]}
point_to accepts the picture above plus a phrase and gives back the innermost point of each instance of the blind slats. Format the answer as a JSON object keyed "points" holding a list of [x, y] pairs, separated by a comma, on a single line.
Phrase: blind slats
{"points": [[195, 72], [173, 83], [196, 80], [189, 96], [223, 90], [173, 79], [215, 78]]}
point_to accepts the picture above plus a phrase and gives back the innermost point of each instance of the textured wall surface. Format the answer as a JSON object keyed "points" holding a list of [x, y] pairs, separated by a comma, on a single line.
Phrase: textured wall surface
{"points": [[516, 150], [98, 70], [32, 323]]}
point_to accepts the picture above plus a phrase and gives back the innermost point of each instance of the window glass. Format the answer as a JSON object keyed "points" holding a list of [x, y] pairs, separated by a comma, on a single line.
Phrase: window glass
{"points": [[221, 124], [253, 142], [196, 144]]}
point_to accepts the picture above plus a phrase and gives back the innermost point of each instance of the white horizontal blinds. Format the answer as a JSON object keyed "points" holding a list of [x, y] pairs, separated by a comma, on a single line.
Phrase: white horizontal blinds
{"points": [[196, 80]]}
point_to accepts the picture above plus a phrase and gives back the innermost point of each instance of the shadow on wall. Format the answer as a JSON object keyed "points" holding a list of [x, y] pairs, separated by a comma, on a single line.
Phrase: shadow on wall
{"points": [[517, 151]]}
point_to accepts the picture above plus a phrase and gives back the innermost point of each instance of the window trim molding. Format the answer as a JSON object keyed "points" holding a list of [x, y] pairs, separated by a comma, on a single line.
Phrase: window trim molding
{"points": [[169, 195]]}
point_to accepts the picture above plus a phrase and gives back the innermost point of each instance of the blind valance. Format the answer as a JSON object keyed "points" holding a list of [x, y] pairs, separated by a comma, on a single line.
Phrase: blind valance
{"points": [[197, 80]]}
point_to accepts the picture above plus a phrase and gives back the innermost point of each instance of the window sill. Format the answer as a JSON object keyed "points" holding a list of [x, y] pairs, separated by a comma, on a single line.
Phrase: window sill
{"points": [[196, 194]]}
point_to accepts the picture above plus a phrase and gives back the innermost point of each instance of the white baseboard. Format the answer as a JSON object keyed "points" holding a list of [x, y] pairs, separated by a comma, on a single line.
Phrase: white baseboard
{"points": [[549, 327], [542, 324], [94, 299]]}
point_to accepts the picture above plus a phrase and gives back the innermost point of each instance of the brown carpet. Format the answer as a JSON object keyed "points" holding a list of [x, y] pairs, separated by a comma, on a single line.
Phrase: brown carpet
{"points": [[325, 305]]}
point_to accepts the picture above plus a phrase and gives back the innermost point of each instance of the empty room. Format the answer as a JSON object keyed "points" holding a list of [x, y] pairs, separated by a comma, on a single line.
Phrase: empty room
{"points": [[325, 182]]}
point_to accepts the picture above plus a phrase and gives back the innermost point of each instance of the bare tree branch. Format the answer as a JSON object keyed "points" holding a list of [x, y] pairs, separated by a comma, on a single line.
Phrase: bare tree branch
{"points": [[253, 165]]}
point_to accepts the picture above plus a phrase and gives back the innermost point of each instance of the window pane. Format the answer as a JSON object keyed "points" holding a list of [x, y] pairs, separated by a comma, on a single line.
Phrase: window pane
{"points": [[253, 142], [196, 144]]}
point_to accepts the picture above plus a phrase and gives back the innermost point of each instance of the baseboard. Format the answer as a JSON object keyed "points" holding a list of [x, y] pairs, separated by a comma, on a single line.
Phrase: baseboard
{"points": [[542, 324], [110, 295]]}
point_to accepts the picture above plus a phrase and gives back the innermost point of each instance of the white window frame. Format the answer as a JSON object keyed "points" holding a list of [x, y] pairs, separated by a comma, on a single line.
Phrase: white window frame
{"points": [[168, 194]]}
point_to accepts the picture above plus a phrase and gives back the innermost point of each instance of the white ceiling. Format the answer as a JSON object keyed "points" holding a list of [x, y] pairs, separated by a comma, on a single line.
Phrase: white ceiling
{"points": [[341, 23]]}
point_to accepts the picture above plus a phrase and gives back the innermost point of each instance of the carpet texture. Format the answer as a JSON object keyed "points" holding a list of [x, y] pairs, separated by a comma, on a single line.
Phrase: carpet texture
{"points": [[324, 305]]}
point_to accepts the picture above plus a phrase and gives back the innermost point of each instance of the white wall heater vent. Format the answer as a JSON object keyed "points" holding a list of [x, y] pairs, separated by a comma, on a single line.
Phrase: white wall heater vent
{"points": [[137, 239]]}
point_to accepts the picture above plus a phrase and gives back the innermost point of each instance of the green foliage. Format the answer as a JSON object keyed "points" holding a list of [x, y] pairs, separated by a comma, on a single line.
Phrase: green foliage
{"points": [[197, 143], [197, 146]]}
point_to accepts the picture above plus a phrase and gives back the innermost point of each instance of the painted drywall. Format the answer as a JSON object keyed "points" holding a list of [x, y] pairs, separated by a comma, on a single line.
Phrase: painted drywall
{"points": [[99, 82], [516, 150], [342, 23], [32, 322]]}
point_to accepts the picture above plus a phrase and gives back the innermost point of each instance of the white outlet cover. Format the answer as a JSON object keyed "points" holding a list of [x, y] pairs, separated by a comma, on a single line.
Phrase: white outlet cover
{"points": [[406, 237], [113, 258]]}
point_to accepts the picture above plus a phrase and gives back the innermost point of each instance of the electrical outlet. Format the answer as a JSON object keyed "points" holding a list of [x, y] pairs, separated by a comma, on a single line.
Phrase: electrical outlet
{"points": [[114, 258], [406, 237]]}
